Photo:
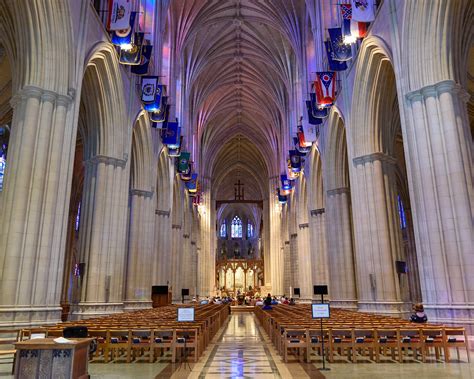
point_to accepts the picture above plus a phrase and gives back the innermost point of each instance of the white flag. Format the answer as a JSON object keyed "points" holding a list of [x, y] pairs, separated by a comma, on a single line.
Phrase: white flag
{"points": [[311, 132], [119, 14], [149, 84], [363, 10]]}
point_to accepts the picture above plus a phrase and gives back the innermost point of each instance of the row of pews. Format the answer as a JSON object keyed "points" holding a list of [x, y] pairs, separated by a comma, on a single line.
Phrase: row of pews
{"points": [[355, 335], [147, 334]]}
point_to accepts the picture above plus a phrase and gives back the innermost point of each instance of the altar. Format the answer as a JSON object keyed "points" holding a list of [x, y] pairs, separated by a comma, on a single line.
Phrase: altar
{"points": [[235, 275]]}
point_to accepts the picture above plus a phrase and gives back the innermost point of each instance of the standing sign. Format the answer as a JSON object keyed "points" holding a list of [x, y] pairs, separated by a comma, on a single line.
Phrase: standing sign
{"points": [[186, 314], [320, 310]]}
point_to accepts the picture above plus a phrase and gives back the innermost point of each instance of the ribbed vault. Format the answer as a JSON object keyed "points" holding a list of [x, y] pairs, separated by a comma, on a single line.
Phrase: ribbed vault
{"points": [[239, 63]]}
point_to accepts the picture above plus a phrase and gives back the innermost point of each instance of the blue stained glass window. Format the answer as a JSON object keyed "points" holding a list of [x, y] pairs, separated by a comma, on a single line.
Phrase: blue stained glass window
{"points": [[3, 164], [250, 231], [236, 228], [401, 213], [78, 218], [223, 231]]}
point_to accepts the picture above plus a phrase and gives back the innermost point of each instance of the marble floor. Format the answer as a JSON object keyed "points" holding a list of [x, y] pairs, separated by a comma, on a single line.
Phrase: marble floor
{"points": [[241, 349]]}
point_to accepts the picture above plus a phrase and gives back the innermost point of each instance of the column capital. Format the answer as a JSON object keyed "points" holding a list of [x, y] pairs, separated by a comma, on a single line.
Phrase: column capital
{"points": [[338, 191], [316, 212], [294, 235], [160, 212], [287, 242], [107, 160], [378, 156], [186, 236], [42, 94], [302, 226], [437, 89], [143, 193], [176, 226]]}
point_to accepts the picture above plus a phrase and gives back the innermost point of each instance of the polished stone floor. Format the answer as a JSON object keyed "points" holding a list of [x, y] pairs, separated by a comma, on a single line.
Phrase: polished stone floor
{"points": [[242, 350]]}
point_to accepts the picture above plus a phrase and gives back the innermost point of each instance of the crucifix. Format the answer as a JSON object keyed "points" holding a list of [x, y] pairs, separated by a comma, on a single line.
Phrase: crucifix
{"points": [[237, 193]]}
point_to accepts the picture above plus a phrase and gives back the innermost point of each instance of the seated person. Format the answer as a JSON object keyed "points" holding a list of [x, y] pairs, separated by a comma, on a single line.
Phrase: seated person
{"points": [[285, 301], [292, 302], [267, 302], [274, 301], [259, 302], [419, 315]]}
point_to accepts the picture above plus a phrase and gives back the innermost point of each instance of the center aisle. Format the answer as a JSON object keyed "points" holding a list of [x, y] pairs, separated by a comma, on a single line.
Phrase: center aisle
{"points": [[240, 352]]}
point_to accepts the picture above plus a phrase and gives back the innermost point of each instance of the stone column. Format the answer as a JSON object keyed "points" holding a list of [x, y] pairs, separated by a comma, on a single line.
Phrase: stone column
{"points": [[319, 254], [340, 250], [377, 235], [140, 251], [102, 237], [176, 260], [439, 161], [286, 267], [294, 262], [34, 208], [306, 262], [162, 251], [276, 258]]}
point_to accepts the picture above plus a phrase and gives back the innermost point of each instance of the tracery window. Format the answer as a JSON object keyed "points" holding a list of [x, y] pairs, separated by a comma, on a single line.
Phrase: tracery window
{"points": [[223, 231], [78, 218], [3, 163], [236, 227]]}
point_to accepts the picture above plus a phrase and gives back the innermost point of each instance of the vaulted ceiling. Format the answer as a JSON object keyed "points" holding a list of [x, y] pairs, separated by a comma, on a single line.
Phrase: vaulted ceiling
{"points": [[239, 65]]}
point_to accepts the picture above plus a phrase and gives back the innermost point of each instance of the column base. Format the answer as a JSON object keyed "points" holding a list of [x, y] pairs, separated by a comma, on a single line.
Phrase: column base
{"points": [[386, 308], [88, 310], [344, 304], [28, 316], [136, 305], [454, 315]]}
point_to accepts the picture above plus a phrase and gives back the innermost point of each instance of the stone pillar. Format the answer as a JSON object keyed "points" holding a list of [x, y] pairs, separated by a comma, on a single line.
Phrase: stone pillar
{"points": [[305, 256], [176, 260], [439, 160], [319, 254], [294, 262], [286, 267], [340, 250], [34, 208], [102, 237], [377, 235], [140, 251], [162, 259]]}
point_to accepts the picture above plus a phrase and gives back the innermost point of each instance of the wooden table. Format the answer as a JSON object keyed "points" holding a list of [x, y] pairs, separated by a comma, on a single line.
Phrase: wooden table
{"points": [[44, 358]]}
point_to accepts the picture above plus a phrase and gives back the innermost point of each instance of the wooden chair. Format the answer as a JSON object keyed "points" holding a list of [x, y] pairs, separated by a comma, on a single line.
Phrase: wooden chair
{"points": [[387, 341], [163, 339], [411, 339], [433, 338], [102, 347], [185, 339], [342, 340], [456, 338], [141, 342], [366, 339], [314, 340], [7, 348], [118, 341], [295, 341]]}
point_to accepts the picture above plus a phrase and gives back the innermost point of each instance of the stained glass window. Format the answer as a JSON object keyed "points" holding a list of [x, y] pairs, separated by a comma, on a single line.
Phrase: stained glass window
{"points": [[401, 213], [223, 232], [3, 164], [236, 229], [250, 231], [78, 218]]}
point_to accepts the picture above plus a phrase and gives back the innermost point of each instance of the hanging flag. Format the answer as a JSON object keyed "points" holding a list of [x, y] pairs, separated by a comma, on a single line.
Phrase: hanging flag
{"points": [[333, 64], [351, 29], [183, 162], [150, 91], [282, 199], [152, 88], [342, 51], [185, 176], [142, 68], [132, 56], [301, 137], [319, 112], [363, 10], [160, 114], [124, 37], [301, 150], [307, 134], [311, 119], [286, 185], [174, 151], [119, 14], [295, 159], [191, 185], [170, 135], [291, 174], [325, 87]]}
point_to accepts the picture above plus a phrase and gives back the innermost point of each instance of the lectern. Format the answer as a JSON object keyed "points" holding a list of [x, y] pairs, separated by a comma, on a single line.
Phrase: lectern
{"points": [[44, 358], [160, 296]]}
